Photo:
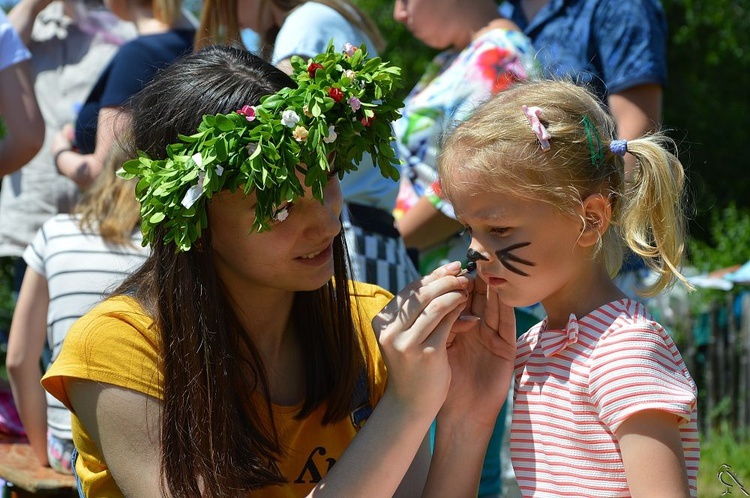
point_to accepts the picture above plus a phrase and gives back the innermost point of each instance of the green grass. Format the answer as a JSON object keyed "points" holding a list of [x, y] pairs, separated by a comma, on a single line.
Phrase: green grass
{"points": [[724, 447]]}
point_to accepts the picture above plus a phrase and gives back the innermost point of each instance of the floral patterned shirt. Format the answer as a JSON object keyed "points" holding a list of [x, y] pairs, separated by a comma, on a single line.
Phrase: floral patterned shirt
{"points": [[454, 84]]}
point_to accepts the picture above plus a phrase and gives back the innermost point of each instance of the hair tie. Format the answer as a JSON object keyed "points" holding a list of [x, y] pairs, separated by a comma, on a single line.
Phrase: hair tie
{"points": [[533, 114], [595, 142], [618, 147]]}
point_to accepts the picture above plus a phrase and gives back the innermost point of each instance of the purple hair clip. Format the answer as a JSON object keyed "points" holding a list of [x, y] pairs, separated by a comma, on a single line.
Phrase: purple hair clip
{"points": [[533, 114], [618, 147]]}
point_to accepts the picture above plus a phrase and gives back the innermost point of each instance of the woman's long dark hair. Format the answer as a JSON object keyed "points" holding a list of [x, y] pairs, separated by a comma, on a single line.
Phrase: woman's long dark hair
{"points": [[215, 435]]}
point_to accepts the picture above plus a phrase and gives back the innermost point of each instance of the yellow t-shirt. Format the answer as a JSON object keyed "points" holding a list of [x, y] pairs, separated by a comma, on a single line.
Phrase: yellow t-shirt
{"points": [[116, 343]]}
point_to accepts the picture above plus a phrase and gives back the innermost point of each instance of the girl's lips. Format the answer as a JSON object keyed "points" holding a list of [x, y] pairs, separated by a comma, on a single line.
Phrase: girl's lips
{"points": [[495, 281]]}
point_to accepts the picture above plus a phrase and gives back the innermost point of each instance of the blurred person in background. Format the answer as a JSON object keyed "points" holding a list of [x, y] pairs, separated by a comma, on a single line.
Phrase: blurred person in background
{"points": [[482, 54], [165, 32], [74, 260], [70, 42], [22, 128]]}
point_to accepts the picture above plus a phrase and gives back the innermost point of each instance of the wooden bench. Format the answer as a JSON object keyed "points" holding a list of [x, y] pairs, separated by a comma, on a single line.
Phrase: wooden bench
{"points": [[24, 476]]}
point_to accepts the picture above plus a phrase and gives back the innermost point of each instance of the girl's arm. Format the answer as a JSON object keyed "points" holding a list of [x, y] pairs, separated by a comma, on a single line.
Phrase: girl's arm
{"points": [[482, 353], [652, 453], [84, 168], [28, 332]]}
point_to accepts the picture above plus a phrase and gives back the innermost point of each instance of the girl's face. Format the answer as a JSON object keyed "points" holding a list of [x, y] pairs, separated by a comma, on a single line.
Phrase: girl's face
{"points": [[527, 250], [427, 20], [295, 255]]}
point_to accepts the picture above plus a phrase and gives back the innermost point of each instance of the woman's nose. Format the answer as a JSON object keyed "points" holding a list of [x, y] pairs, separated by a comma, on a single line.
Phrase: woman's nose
{"points": [[327, 218]]}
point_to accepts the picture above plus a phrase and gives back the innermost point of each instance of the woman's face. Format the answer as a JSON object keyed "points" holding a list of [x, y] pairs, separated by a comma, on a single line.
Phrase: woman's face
{"points": [[428, 20], [294, 255]]}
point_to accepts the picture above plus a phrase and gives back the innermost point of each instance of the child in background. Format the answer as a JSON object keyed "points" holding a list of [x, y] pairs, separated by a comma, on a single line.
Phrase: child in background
{"points": [[536, 177], [74, 260]]}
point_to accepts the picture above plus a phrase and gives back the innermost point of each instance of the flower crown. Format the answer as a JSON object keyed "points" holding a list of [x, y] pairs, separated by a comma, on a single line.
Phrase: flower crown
{"points": [[342, 108]]}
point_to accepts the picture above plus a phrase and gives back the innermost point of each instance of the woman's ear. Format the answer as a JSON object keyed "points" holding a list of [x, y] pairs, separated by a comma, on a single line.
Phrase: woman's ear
{"points": [[597, 212]]}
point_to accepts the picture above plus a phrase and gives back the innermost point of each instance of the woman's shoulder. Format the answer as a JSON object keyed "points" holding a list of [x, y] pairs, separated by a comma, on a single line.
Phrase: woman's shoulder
{"points": [[368, 299]]}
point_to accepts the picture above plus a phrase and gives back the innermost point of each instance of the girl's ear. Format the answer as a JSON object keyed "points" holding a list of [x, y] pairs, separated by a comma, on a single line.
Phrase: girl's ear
{"points": [[597, 211]]}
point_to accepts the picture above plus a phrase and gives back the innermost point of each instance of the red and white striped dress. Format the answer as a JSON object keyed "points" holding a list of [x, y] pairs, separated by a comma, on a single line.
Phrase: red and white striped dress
{"points": [[574, 388]]}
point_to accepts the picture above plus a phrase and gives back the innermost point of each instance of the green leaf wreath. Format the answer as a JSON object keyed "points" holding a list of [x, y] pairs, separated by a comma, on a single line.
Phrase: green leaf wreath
{"points": [[342, 108]]}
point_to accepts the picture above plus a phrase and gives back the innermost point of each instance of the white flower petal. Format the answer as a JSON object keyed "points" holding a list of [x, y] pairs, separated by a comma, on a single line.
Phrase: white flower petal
{"points": [[198, 159], [194, 193]]}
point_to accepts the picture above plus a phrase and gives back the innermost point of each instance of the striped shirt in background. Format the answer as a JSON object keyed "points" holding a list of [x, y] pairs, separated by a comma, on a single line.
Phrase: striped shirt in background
{"points": [[80, 269], [574, 388]]}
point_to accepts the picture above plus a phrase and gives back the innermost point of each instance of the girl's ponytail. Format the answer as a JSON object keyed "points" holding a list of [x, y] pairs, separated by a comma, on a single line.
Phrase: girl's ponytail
{"points": [[651, 221]]}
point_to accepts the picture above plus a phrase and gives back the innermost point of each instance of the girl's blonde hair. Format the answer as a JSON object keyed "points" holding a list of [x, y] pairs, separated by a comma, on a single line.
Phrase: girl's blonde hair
{"points": [[219, 24], [497, 143], [109, 207]]}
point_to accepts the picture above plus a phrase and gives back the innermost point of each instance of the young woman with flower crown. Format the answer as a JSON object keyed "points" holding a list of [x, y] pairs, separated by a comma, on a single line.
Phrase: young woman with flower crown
{"points": [[304, 28], [241, 360]]}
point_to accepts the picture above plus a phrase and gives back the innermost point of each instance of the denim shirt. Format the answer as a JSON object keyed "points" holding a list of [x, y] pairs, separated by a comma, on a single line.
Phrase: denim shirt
{"points": [[606, 45]]}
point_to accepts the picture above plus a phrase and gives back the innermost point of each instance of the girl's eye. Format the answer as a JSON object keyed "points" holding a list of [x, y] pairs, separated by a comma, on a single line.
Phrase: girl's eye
{"points": [[499, 230]]}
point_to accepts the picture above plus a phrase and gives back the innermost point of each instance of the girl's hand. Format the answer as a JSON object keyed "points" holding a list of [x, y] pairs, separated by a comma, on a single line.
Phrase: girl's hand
{"points": [[482, 352], [413, 330]]}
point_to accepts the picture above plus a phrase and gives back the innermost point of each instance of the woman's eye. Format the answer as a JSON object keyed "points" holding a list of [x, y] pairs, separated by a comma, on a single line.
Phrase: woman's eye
{"points": [[499, 230]]}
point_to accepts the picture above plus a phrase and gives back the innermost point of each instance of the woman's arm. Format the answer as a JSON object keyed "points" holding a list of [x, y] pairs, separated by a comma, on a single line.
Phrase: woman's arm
{"points": [[23, 120], [663, 473], [22, 17], [28, 332], [413, 330], [124, 424], [84, 168]]}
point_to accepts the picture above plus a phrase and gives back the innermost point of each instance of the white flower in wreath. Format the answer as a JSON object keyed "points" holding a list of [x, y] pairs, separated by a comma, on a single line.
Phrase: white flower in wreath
{"points": [[332, 135], [289, 118]]}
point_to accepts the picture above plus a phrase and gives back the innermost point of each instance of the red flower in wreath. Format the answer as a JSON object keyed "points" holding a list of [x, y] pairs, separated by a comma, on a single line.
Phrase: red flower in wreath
{"points": [[336, 94], [314, 66]]}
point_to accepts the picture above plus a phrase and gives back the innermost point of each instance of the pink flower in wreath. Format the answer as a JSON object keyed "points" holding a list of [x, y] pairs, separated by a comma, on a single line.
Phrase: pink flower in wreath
{"points": [[247, 111], [354, 103], [350, 49]]}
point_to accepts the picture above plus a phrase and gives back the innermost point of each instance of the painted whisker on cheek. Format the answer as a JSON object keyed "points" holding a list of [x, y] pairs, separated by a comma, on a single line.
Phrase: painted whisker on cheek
{"points": [[506, 256]]}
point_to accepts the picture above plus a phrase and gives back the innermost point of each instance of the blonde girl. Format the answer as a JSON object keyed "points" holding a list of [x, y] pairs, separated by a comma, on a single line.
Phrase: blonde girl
{"points": [[536, 177]]}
